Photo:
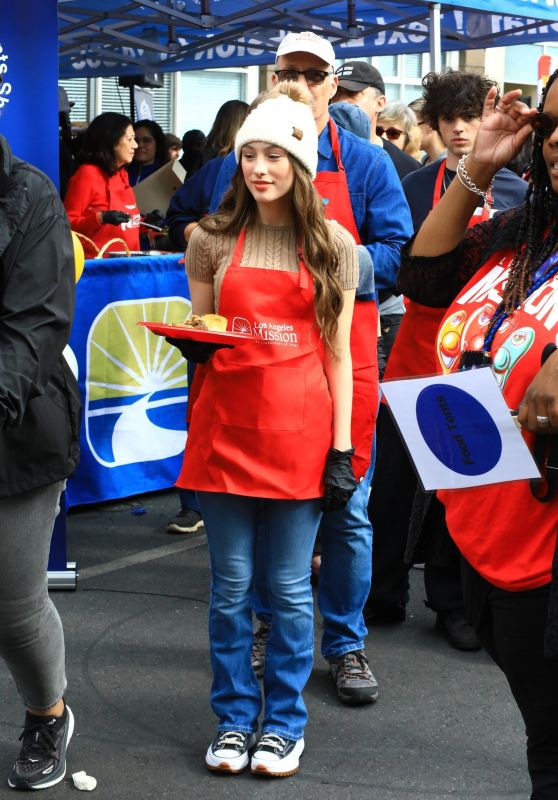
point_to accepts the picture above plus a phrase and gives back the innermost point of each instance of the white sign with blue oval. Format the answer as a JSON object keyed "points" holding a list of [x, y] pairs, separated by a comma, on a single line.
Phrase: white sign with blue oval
{"points": [[458, 430]]}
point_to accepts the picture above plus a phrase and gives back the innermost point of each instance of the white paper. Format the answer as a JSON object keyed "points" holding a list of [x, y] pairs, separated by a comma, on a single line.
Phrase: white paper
{"points": [[84, 782], [458, 430]]}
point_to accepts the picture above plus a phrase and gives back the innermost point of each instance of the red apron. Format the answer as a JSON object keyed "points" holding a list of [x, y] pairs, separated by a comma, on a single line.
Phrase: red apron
{"points": [[333, 188], [517, 555], [413, 352], [261, 425], [120, 197]]}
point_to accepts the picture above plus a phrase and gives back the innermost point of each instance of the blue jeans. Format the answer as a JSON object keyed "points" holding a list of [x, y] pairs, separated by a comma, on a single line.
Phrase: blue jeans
{"points": [[346, 572], [288, 527], [188, 500]]}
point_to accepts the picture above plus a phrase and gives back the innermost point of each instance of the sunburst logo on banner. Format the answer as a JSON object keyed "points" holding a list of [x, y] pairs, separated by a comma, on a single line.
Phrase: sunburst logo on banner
{"points": [[135, 381]]}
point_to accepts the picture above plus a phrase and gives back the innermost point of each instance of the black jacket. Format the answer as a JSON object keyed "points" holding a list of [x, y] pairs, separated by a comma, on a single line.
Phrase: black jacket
{"points": [[39, 398]]}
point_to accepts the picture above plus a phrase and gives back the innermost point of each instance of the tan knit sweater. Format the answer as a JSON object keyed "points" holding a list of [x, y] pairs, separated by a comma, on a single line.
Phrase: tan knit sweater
{"points": [[267, 247]]}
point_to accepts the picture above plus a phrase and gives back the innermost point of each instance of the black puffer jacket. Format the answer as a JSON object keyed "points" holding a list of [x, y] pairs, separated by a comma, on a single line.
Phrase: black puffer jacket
{"points": [[39, 398]]}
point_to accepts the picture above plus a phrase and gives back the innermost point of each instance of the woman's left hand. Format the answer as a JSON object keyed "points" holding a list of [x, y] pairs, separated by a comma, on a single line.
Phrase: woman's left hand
{"points": [[504, 129], [538, 411], [340, 481]]}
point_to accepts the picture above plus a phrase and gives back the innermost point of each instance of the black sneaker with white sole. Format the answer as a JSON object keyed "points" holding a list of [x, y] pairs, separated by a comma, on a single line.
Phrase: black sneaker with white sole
{"points": [[277, 756], [356, 685], [42, 759], [186, 521], [229, 752]]}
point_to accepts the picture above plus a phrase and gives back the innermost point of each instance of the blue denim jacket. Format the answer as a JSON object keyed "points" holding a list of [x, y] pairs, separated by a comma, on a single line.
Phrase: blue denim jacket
{"points": [[380, 209]]}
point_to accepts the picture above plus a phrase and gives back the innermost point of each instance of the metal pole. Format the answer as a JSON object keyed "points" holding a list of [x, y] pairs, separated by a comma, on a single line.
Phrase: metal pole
{"points": [[435, 38]]}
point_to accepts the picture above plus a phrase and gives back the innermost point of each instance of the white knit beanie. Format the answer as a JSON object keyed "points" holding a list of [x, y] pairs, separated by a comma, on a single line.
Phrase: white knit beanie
{"points": [[286, 123]]}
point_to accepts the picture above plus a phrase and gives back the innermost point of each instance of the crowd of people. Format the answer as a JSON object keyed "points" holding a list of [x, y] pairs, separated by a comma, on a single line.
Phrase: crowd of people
{"points": [[363, 227]]}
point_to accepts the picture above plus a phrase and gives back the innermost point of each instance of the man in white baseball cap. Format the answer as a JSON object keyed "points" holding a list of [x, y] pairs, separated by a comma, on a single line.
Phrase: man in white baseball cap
{"points": [[307, 42], [360, 189]]}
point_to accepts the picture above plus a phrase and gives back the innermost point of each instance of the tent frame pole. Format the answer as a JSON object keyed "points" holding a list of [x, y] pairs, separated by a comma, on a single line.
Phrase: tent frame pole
{"points": [[435, 38]]}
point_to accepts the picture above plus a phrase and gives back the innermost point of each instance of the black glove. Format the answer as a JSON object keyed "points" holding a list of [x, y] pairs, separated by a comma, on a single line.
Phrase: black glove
{"points": [[197, 352], [154, 218], [340, 482], [114, 217]]}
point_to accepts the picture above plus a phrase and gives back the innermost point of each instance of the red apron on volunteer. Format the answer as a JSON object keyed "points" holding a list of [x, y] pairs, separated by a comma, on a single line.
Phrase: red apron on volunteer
{"points": [[412, 352], [92, 190], [517, 348], [250, 432], [334, 190]]}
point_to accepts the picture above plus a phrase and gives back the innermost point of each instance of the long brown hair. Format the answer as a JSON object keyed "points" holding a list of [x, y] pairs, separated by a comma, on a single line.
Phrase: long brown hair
{"points": [[238, 210], [228, 120]]}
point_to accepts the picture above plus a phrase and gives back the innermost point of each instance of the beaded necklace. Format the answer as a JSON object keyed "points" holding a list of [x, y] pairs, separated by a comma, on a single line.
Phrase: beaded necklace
{"points": [[471, 359]]}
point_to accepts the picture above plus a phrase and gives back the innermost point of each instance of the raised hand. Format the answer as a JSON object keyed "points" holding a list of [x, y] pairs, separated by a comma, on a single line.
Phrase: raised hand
{"points": [[503, 131]]}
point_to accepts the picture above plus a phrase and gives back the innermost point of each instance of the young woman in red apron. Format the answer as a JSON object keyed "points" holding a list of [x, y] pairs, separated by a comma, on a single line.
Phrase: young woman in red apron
{"points": [[269, 442], [99, 201]]}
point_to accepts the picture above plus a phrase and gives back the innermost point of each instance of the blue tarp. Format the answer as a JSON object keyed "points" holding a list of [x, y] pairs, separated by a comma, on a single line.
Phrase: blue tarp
{"points": [[107, 37]]}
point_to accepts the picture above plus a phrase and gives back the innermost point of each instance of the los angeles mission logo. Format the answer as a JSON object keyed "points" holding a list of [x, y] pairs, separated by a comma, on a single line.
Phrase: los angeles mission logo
{"points": [[273, 332], [5, 86]]}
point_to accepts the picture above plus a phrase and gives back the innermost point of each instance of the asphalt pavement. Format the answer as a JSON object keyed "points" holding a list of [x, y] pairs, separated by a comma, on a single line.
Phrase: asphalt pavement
{"points": [[444, 726]]}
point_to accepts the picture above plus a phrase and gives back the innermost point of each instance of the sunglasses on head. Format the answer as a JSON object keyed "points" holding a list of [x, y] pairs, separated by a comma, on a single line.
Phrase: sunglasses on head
{"points": [[313, 77], [392, 133], [543, 124]]}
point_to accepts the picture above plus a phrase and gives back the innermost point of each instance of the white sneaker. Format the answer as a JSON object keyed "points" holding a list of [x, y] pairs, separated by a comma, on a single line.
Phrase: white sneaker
{"points": [[277, 756], [228, 752]]}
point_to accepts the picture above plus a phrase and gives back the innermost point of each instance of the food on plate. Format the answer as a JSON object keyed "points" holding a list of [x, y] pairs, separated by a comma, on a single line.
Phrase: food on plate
{"points": [[215, 322], [205, 322], [194, 322]]}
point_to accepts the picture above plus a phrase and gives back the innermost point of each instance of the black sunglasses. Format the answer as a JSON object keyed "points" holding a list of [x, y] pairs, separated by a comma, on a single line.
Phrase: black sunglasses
{"points": [[543, 124], [392, 133], [313, 77]]}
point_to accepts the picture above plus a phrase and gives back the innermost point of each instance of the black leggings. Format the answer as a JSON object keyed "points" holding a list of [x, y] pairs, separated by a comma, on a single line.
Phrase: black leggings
{"points": [[511, 627]]}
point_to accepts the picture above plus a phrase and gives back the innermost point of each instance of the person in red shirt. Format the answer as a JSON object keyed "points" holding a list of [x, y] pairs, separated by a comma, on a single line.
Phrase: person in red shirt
{"points": [[100, 202], [499, 283]]}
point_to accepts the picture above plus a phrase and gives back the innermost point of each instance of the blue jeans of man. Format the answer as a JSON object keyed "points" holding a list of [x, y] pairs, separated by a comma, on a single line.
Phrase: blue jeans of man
{"points": [[346, 572], [346, 548], [288, 527]]}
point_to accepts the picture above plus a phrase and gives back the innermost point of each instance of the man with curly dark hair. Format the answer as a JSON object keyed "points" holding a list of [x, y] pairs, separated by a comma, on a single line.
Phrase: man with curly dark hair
{"points": [[452, 105], [451, 93]]}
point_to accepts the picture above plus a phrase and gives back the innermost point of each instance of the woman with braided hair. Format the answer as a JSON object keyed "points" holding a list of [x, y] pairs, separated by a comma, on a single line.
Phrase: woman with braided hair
{"points": [[503, 275]]}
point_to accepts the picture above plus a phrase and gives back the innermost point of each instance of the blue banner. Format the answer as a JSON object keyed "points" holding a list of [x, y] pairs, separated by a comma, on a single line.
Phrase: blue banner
{"points": [[241, 34], [133, 384], [29, 88]]}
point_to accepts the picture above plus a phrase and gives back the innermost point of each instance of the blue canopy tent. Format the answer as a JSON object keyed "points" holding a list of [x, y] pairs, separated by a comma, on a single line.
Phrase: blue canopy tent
{"points": [[108, 37]]}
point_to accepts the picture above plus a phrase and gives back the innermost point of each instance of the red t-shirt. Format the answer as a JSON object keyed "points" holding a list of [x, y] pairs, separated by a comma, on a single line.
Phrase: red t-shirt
{"points": [[502, 530], [90, 190]]}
